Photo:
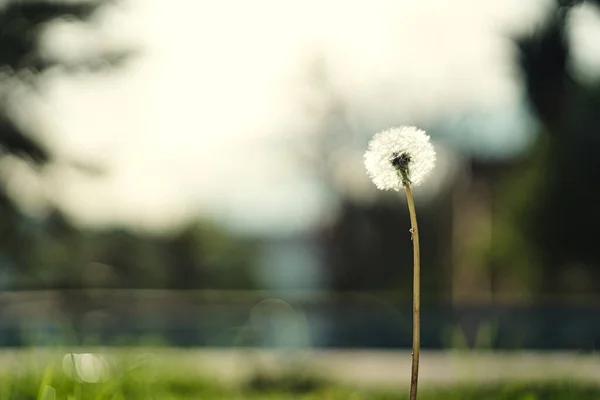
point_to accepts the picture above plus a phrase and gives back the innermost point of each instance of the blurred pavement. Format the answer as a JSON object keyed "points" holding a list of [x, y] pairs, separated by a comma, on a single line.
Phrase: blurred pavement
{"points": [[392, 369]]}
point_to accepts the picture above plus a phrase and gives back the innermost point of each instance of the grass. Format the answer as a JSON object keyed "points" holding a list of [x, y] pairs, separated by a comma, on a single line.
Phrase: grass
{"points": [[39, 378]]}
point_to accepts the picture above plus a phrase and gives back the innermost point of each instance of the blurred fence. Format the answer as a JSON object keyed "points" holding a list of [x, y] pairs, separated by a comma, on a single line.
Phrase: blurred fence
{"points": [[290, 319]]}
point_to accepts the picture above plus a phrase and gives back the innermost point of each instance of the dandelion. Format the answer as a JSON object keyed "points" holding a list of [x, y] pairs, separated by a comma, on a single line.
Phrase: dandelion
{"points": [[403, 157], [399, 156]]}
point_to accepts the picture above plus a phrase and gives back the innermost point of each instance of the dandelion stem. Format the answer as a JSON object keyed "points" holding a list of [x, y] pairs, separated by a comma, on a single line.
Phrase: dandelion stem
{"points": [[416, 342]]}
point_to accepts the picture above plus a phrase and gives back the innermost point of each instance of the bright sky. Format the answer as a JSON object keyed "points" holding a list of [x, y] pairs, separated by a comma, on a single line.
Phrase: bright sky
{"points": [[182, 129]]}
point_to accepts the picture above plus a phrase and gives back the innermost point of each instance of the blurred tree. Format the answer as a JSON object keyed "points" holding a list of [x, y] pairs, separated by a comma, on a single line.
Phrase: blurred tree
{"points": [[205, 256], [549, 212], [53, 253], [23, 63]]}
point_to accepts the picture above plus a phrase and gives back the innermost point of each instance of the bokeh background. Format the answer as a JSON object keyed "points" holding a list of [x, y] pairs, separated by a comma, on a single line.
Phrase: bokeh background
{"points": [[189, 173]]}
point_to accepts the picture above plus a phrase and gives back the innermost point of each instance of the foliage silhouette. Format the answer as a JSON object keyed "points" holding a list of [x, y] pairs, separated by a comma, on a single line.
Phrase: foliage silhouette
{"points": [[548, 208]]}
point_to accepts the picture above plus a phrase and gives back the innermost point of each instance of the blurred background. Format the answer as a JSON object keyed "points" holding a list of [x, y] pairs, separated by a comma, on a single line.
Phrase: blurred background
{"points": [[189, 173]]}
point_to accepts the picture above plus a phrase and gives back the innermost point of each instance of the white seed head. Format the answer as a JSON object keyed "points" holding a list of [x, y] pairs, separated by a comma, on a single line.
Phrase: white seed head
{"points": [[405, 149]]}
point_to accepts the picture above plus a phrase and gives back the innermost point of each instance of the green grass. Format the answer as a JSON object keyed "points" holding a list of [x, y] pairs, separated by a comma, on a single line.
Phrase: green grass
{"points": [[131, 378]]}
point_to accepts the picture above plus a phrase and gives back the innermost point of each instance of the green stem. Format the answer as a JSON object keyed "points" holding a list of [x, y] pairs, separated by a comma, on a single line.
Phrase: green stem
{"points": [[416, 342]]}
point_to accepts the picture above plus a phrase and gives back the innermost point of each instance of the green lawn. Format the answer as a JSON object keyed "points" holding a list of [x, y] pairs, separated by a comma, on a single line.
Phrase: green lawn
{"points": [[131, 379], [173, 389]]}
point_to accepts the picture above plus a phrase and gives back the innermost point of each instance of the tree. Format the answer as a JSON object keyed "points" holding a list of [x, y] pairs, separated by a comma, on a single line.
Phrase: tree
{"points": [[23, 64], [547, 223]]}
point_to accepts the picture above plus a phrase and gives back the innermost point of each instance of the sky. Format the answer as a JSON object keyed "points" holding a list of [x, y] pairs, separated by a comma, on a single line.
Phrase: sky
{"points": [[187, 127]]}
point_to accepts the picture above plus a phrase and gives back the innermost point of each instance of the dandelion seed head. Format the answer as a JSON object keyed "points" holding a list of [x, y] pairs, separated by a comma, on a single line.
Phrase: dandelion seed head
{"points": [[397, 152]]}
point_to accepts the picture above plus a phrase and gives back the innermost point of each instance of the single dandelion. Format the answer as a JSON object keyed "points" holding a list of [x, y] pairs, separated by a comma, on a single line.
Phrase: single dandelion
{"points": [[396, 158]]}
